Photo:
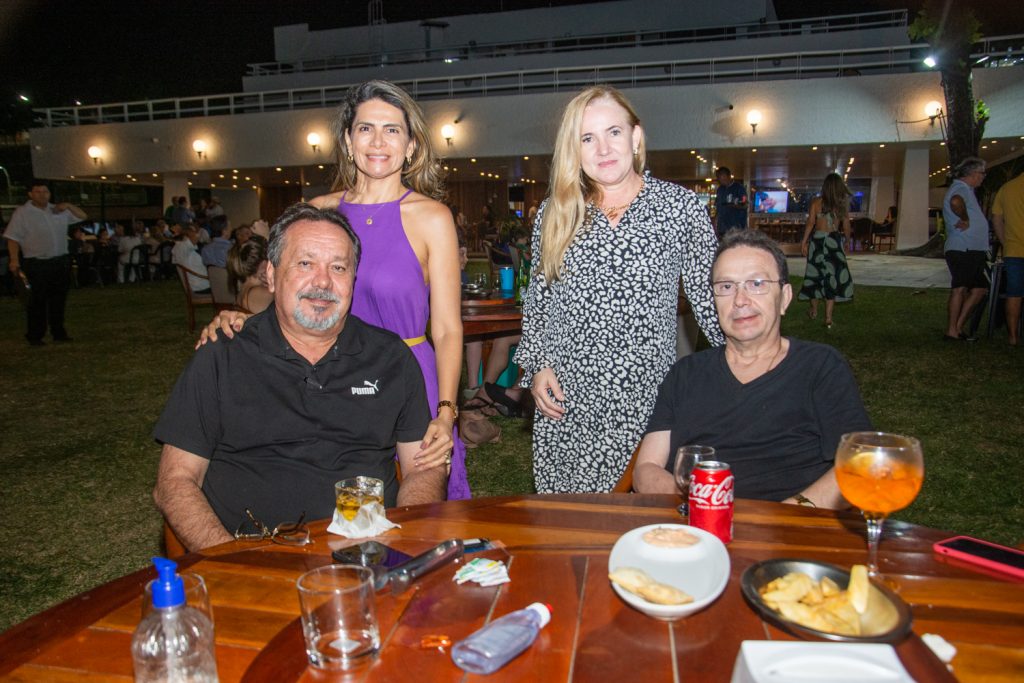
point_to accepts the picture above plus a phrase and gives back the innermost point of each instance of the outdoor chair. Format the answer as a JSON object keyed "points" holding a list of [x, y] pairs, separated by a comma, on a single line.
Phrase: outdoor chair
{"points": [[165, 261], [192, 300], [223, 299], [173, 547], [625, 484], [138, 263]]}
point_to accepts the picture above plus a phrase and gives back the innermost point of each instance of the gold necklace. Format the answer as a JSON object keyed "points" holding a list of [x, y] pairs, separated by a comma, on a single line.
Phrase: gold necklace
{"points": [[612, 211]]}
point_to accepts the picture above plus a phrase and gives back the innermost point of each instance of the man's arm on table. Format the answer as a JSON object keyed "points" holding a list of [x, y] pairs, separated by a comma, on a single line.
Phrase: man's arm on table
{"points": [[649, 473], [179, 496], [419, 485], [824, 492]]}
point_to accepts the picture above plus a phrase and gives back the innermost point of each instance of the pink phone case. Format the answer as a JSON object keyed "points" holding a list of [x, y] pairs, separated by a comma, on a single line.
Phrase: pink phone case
{"points": [[980, 561]]}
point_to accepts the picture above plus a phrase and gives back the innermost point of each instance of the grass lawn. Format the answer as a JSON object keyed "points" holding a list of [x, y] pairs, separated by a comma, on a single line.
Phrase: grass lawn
{"points": [[78, 463]]}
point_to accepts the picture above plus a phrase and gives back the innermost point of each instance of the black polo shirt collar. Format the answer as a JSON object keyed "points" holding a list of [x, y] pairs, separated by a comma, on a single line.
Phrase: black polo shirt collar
{"points": [[272, 340]]}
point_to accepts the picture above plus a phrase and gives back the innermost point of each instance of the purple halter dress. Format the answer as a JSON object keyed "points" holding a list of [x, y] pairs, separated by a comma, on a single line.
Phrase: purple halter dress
{"points": [[390, 293]]}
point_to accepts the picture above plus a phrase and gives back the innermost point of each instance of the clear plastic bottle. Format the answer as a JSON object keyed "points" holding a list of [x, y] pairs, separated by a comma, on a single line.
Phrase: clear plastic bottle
{"points": [[174, 642], [496, 644]]}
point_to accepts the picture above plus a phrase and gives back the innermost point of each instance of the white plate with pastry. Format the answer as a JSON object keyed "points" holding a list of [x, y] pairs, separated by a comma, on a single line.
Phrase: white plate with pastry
{"points": [[668, 571]]}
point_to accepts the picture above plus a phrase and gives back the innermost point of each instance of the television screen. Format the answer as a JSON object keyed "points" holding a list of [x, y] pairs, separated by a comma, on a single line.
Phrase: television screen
{"points": [[771, 201], [857, 202]]}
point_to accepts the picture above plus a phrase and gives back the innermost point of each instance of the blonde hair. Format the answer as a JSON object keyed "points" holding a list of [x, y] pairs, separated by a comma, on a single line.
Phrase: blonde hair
{"points": [[571, 188], [422, 174]]}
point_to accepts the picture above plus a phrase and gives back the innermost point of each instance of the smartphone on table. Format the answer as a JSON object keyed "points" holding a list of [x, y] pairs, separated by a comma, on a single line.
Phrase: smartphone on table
{"points": [[992, 556]]}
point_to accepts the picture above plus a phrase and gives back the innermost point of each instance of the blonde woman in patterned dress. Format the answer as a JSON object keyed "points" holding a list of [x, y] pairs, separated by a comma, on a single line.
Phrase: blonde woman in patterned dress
{"points": [[610, 244]]}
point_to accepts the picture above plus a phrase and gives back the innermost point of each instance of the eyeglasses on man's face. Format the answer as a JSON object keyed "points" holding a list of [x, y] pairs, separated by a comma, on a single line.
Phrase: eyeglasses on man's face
{"points": [[755, 286], [285, 533]]}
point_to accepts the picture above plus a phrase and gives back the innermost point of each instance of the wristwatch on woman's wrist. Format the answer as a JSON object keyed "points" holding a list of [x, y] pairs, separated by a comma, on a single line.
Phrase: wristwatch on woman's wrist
{"points": [[449, 404]]}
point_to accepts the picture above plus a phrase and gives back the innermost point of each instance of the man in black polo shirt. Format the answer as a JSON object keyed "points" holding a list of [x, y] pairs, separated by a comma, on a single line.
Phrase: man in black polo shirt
{"points": [[304, 396]]}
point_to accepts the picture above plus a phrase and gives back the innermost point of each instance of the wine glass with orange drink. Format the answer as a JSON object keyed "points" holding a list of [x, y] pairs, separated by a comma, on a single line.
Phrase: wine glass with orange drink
{"points": [[879, 473]]}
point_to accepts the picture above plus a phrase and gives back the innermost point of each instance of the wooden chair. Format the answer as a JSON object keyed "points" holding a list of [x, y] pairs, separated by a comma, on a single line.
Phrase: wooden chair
{"points": [[625, 484], [173, 547], [192, 300], [223, 299]]}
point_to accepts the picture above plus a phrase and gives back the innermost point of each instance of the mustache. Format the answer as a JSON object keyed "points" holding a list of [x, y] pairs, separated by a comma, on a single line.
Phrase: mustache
{"points": [[318, 293]]}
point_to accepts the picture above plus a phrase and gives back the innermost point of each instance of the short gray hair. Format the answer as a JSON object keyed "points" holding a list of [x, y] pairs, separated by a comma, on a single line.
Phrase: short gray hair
{"points": [[968, 166], [307, 212]]}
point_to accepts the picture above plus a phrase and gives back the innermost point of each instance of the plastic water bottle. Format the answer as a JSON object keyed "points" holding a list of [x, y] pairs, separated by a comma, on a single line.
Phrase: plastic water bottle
{"points": [[496, 644], [174, 643]]}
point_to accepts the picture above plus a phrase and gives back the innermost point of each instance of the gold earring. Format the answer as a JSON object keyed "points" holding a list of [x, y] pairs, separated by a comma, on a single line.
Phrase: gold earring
{"points": [[408, 160], [636, 151], [350, 157]]}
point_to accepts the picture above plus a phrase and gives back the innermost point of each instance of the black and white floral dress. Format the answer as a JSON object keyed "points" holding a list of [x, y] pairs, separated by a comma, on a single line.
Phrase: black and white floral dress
{"points": [[607, 328]]}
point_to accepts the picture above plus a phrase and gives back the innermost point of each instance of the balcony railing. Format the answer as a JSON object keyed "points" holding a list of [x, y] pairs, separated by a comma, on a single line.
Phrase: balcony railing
{"points": [[998, 51], [586, 43]]}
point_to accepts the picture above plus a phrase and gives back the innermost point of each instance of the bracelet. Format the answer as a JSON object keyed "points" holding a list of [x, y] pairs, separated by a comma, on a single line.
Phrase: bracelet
{"points": [[801, 499], [449, 404]]}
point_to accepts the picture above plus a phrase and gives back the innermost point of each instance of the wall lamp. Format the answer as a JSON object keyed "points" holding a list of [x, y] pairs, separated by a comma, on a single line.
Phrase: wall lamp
{"points": [[313, 139], [754, 118], [933, 110], [199, 146], [448, 133], [95, 153]]}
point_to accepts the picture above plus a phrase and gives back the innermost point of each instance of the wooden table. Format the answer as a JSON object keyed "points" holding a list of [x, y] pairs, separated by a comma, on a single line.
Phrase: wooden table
{"points": [[488, 318], [558, 549]]}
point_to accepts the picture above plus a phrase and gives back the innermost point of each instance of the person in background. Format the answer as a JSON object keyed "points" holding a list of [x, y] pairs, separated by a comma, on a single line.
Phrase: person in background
{"points": [[214, 209], [772, 407], [186, 254], [182, 216], [966, 247], [247, 268], [37, 244], [599, 318], [730, 203], [241, 234], [1008, 223], [827, 275], [216, 252]]}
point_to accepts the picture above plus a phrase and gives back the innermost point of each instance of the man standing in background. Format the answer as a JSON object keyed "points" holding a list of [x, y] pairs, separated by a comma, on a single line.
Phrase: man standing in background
{"points": [[730, 203], [1008, 223], [37, 241]]}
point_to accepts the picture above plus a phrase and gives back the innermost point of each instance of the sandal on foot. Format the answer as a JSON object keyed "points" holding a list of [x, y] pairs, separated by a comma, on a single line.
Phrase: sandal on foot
{"points": [[505, 405], [481, 405], [812, 314]]}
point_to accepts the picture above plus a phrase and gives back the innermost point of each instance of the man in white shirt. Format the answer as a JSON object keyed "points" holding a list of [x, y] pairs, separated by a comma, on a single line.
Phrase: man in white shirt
{"points": [[37, 242], [186, 254]]}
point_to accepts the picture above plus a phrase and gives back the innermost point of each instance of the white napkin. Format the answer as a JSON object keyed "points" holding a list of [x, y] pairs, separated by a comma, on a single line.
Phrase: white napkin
{"points": [[369, 521]]}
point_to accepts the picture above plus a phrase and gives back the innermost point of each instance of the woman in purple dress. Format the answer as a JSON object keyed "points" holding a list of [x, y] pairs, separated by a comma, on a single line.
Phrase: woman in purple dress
{"points": [[388, 186]]}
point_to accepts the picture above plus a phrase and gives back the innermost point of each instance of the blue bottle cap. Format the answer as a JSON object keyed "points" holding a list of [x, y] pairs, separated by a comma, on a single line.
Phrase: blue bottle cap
{"points": [[168, 589]]}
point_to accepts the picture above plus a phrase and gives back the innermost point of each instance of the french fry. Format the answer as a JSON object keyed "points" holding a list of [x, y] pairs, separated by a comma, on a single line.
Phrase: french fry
{"points": [[822, 605]]}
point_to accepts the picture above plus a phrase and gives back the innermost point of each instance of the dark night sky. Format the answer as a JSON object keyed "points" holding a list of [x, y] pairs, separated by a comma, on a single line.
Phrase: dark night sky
{"points": [[56, 51]]}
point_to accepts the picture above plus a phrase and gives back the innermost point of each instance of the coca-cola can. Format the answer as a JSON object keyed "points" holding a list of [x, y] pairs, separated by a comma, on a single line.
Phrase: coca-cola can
{"points": [[711, 495]]}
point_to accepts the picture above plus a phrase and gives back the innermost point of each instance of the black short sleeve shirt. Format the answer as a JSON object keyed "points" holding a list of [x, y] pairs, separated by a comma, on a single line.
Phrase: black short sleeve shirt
{"points": [[779, 433], [279, 431]]}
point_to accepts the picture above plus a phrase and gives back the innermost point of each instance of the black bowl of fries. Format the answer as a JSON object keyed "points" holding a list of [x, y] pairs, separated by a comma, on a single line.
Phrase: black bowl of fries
{"points": [[822, 600]]}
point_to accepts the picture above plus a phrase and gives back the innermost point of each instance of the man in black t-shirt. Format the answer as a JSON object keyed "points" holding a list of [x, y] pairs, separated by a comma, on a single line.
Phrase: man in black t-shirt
{"points": [[730, 203], [773, 408], [303, 396]]}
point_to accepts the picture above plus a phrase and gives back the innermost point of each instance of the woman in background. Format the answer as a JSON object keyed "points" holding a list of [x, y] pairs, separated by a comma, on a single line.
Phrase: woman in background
{"points": [[827, 275], [247, 268], [599, 320]]}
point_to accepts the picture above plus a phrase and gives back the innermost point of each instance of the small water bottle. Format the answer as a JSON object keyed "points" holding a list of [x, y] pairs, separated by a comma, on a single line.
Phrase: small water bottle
{"points": [[174, 643], [496, 644]]}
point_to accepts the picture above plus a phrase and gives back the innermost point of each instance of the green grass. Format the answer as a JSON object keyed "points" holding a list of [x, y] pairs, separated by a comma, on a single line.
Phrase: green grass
{"points": [[78, 463]]}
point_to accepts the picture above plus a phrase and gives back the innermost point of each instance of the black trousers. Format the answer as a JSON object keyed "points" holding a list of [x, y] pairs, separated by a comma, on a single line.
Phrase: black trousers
{"points": [[49, 279]]}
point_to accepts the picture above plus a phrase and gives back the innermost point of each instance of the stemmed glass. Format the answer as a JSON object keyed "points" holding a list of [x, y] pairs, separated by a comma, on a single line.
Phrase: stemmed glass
{"points": [[879, 473], [687, 458]]}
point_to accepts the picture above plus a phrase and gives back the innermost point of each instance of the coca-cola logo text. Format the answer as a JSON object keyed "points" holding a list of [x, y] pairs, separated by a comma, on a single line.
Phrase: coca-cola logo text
{"points": [[712, 493]]}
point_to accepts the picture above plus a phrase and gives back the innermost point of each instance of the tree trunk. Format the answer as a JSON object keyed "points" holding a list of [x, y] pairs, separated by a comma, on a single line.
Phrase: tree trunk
{"points": [[962, 131]]}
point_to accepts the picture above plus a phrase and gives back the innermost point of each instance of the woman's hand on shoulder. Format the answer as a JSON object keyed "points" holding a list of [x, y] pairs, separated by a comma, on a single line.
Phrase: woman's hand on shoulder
{"points": [[227, 322]]}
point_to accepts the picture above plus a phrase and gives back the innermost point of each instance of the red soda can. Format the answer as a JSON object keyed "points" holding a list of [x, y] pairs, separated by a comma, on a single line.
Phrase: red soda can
{"points": [[711, 494]]}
